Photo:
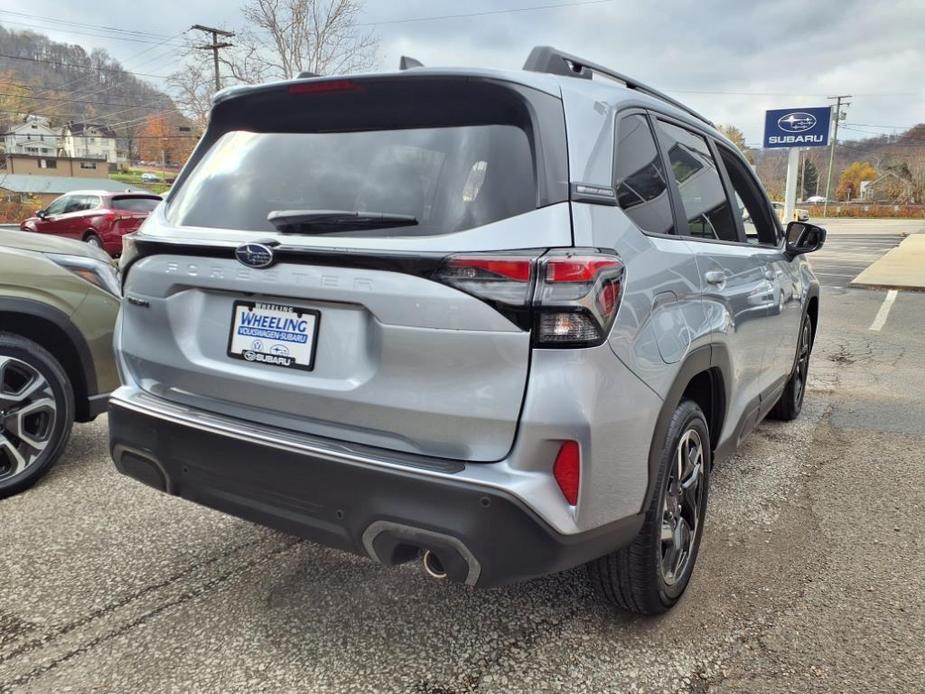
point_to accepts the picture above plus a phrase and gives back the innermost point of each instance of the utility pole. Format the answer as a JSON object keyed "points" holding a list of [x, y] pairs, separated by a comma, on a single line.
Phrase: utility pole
{"points": [[838, 116], [214, 46]]}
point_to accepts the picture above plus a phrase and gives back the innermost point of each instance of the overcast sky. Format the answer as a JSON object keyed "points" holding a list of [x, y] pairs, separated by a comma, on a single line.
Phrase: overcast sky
{"points": [[729, 59]]}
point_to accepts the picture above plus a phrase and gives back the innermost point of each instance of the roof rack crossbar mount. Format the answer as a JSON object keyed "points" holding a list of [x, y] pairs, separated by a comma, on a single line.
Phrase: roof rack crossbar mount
{"points": [[556, 62]]}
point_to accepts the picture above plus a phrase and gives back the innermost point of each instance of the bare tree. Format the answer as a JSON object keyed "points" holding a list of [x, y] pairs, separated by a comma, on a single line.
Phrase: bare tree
{"points": [[286, 37], [279, 40], [193, 87]]}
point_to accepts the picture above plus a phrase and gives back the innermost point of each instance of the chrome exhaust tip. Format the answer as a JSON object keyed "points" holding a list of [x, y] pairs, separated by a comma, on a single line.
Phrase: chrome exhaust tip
{"points": [[432, 565]]}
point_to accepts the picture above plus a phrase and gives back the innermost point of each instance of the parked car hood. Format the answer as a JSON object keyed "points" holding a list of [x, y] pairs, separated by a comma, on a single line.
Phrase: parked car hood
{"points": [[42, 243]]}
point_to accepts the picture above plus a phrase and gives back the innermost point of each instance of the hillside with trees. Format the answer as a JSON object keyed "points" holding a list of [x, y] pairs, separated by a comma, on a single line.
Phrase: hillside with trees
{"points": [[897, 162], [64, 82]]}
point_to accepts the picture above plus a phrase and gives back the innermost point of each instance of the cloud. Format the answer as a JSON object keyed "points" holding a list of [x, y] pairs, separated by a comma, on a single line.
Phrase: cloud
{"points": [[786, 53]]}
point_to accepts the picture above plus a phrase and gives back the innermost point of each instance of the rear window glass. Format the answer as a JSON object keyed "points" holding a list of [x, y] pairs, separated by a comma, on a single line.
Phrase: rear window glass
{"points": [[446, 178], [134, 204]]}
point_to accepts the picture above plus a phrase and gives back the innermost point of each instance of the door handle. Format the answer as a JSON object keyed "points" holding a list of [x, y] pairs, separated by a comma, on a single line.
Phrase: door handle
{"points": [[714, 276]]}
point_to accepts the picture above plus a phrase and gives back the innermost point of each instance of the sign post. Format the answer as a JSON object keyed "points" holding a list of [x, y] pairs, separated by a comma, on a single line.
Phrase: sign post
{"points": [[793, 129]]}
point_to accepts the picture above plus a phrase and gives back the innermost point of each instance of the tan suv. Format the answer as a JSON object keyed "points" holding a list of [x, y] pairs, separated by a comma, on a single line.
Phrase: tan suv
{"points": [[58, 305]]}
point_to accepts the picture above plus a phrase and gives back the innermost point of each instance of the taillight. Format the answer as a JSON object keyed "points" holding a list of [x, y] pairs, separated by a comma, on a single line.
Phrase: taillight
{"points": [[506, 279], [578, 299], [567, 470], [569, 298]]}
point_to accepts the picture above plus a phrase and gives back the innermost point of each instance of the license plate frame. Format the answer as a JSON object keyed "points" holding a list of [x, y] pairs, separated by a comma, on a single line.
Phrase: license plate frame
{"points": [[274, 356]]}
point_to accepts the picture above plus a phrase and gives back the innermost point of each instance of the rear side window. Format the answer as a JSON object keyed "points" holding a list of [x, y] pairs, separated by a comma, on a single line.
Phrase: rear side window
{"points": [[134, 204], [642, 188], [702, 194]]}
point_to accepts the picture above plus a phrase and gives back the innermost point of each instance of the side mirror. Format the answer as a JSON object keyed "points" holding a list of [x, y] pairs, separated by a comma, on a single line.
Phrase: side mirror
{"points": [[40, 214], [803, 237]]}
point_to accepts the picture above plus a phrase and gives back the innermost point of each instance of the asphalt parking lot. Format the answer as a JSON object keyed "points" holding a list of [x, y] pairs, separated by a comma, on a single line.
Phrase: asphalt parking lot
{"points": [[811, 576]]}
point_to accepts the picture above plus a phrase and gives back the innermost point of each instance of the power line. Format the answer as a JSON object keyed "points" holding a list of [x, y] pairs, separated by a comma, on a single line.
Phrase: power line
{"points": [[86, 33], [73, 101], [486, 13], [69, 22], [83, 67]]}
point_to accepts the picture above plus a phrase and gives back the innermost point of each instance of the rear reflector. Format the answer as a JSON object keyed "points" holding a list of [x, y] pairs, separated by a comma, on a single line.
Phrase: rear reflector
{"points": [[567, 470]]}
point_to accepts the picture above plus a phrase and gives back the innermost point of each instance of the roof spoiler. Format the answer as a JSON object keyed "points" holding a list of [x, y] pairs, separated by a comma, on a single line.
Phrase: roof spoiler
{"points": [[550, 60], [407, 62]]}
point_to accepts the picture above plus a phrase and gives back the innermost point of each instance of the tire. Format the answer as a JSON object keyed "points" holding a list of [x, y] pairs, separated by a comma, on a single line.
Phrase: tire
{"points": [[94, 240], [635, 577], [36, 412], [788, 407]]}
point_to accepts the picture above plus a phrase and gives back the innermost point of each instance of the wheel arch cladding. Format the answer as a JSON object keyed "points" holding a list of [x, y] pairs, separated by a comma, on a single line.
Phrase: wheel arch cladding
{"points": [[701, 378], [53, 330], [812, 310]]}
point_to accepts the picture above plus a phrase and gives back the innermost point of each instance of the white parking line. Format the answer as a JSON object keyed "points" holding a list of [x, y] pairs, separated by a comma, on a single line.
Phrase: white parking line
{"points": [[880, 318]]}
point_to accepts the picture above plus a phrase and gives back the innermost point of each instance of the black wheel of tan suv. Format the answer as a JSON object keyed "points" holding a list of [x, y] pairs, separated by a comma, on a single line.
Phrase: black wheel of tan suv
{"points": [[649, 575], [36, 412], [790, 403]]}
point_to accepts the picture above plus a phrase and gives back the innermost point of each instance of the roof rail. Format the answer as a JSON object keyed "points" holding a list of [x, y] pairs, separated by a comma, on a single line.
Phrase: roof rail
{"points": [[556, 62]]}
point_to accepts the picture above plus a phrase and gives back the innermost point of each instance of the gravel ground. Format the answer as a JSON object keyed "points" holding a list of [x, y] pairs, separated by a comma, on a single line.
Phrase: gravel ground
{"points": [[811, 576]]}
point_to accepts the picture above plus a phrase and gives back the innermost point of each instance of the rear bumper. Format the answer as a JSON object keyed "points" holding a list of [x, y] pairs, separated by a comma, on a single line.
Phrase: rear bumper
{"points": [[482, 535]]}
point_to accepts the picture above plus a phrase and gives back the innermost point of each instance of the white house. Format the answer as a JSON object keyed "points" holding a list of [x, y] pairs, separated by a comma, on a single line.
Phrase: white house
{"points": [[90, 141], [33, 136]]}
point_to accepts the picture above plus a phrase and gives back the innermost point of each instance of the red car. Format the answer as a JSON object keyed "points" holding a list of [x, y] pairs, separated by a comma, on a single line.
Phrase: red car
{"points": [[97, 217]]}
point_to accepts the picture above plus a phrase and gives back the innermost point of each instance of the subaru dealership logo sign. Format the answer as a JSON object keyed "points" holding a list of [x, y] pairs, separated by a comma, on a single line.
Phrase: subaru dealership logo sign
{"points": [[254, 255], [794, 127], [796, 122]]}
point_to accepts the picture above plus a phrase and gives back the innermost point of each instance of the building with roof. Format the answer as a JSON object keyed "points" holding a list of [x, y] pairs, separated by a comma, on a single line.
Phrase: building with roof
{"points": [[44, 189], [33, 136], [90, 141], [50, 165]]}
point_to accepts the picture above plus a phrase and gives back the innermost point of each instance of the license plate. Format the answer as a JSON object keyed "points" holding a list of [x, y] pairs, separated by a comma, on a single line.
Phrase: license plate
{"points": [[274, 334]]}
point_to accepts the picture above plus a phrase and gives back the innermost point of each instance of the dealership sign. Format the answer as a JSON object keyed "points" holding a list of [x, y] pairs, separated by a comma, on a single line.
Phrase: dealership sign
{"points": [[797, 127]]}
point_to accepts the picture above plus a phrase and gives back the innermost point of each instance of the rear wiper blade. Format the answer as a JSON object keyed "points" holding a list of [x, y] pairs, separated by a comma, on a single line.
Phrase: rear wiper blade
{"points": [[330, 221]]}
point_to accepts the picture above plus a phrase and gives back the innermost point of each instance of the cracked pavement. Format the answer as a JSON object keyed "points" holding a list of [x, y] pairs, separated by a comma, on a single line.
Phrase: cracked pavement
{"points": [[811, 576]]}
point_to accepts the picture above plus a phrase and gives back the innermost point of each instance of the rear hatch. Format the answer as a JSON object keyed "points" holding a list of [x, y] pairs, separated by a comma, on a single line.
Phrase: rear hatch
{"points": [[131, 210], [298, 274]]}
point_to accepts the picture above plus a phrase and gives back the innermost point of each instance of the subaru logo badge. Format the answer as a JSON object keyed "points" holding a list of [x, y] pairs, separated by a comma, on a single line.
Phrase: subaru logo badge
{"points": [[254, 255], [796, 122]]}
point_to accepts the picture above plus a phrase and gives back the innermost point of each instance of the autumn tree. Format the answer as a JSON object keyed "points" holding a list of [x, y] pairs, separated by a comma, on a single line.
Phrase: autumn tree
{"points": [[738, 139], [849, 185], [165, 138], [18, 99]]}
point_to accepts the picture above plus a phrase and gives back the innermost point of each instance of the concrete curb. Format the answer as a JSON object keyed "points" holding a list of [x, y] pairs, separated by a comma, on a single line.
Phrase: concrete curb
{"points": [[902, 267]]}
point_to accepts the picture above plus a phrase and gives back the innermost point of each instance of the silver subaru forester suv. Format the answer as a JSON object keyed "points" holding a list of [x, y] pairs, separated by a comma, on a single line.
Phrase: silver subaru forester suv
{"points": [[501, 322]]}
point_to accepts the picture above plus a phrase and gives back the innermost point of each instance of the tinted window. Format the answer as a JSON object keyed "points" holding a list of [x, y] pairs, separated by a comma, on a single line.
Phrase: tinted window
{"points": [[448, 179], [642, 189], [705, 204], [757, 215], [75, 203], [90, 202], [58, 206], [139, 204]]}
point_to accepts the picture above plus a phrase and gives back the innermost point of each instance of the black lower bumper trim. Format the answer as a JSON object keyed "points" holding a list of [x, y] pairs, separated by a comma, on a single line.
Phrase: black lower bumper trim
{"points": [[96, 405], [352, 507]]}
